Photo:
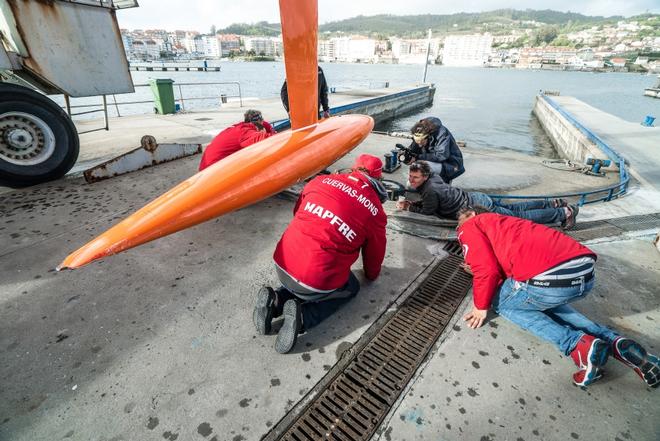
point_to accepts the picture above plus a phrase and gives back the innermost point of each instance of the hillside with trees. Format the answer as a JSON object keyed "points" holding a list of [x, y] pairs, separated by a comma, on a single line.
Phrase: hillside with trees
{"points": [[548, 25]]}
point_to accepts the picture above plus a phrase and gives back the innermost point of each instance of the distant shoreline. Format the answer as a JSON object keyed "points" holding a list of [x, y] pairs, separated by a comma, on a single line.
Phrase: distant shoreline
{"points": [[214, 62]]}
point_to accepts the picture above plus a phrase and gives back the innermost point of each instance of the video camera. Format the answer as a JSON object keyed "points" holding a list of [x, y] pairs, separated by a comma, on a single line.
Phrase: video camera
{"points": [[406, 155]]}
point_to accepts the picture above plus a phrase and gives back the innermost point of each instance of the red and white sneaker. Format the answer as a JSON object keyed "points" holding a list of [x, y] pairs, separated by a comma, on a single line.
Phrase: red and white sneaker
{"points": [[590, 354], [632, 354]]}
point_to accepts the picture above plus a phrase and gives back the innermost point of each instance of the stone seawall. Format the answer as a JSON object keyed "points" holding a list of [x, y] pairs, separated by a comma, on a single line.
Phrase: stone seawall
{"points": [[571, 140], [393, 106]]}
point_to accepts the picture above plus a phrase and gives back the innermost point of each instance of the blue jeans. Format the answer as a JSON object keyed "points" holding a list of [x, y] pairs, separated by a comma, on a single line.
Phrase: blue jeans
{"points": [[545, 313], [539, 210], [316, 307]]}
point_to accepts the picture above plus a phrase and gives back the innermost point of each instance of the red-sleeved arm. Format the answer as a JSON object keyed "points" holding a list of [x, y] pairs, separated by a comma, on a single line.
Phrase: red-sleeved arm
{"points": [[479, 254], [373, 250], [269, 127]]}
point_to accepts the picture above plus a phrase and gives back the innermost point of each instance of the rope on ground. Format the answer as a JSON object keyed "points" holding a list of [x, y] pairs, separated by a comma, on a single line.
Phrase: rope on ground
{"points": [[568, 165]]}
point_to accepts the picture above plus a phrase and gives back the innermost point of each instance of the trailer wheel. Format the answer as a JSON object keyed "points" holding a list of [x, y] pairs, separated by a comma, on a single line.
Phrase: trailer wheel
{"points": [[38, 141]]}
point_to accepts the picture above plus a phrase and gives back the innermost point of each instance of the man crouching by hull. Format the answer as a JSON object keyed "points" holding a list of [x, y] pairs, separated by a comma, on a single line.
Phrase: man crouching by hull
{"points": [[528, 274], [335, 218]]}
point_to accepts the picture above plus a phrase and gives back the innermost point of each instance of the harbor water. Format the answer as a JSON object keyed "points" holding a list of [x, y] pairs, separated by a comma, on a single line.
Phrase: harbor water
{"points": [[484, 107]]}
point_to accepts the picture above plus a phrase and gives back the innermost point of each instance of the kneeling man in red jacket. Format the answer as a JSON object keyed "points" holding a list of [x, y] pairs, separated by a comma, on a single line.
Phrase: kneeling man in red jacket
{"points": [[234, 138], [528, 274], [336, 217]]}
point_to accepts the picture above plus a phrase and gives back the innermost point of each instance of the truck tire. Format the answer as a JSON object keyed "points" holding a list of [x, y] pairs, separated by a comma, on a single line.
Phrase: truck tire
{"points": [[38, 141]]}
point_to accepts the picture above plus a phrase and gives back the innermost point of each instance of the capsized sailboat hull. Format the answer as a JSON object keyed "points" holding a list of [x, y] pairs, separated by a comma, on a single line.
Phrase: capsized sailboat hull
{"points": [[246, 177]]}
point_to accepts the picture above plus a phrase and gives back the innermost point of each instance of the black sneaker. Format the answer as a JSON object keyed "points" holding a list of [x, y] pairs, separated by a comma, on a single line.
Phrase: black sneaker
{"points": [[264, 310], [286, 338]]}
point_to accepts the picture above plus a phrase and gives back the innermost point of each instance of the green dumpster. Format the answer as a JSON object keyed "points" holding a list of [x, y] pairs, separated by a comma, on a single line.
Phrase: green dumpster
{"points": [[163, 95]]}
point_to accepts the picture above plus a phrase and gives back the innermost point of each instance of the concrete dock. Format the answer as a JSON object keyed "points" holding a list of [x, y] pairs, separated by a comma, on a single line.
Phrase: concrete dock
{"points": [[124, 133], [157, 342], [639, 144]]}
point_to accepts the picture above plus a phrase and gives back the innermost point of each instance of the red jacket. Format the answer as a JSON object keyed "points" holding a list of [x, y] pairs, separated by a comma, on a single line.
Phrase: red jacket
{"points": [[335, 217], [231, 140], [500, 247]]}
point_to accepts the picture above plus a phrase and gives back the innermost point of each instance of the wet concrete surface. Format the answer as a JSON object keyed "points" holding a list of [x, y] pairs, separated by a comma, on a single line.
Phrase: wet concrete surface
{"points": [[501, 383], [157, 342]]}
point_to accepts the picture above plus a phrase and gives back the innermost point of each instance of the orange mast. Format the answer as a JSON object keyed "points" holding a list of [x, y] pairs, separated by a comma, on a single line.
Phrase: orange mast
{"points": [[253, 173]]}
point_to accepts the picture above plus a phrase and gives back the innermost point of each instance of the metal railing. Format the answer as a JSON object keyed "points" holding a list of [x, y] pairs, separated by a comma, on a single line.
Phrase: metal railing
{"points": [[585, 197], [104, 109], [223, 97]]}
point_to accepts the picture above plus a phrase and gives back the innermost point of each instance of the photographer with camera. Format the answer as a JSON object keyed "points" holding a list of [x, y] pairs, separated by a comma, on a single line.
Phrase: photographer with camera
{"points": [[434, 143]]}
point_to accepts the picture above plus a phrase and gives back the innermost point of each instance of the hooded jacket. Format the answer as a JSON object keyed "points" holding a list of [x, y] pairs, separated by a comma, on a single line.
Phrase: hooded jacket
{"points": [[322, 91], [335, 218], [441, 148]]}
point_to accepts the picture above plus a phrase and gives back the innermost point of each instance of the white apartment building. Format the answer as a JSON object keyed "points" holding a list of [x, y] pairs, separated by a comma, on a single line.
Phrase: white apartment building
{"points": [[414, 51], [191, 42], [146, 49], [348, 49], [229, 43], [211, 46], [467, 50], [267, 46], [326, 50], [128, 45]]}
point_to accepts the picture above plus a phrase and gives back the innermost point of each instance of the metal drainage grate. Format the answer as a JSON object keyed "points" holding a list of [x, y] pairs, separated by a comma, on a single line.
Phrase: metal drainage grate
{"points": [[358, 398], [614, 226], [598, 230], [454, 248], [636, 223]]}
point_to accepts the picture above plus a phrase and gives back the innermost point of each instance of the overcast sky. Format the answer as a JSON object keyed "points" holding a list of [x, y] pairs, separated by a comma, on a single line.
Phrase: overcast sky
{"points": [[201, 14]]}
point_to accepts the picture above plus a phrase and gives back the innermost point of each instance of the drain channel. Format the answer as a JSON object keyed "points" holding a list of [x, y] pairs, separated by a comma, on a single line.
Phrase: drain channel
{"points": [[614, 227], [356, 401], [353, 404]]}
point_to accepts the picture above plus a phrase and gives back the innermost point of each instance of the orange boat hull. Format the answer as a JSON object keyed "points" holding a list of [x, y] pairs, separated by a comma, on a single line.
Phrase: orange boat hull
{"points": [[246, 177]]}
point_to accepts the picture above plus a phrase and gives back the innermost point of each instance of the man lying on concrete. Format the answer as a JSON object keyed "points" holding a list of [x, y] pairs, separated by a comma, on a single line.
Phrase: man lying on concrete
{"points": [[335, 218], [434, 143], [528, 273], [443, 200], [232, 139]]}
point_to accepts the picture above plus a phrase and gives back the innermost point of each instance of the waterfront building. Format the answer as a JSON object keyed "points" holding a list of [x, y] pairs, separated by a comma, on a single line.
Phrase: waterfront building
{"points": [[191, 42], [267, 46], [127, 40], [467, 50], [353, 49], [409, 51], [146, 50], [548, 57], [211, 46], [326, 50], [618, 62], [229, 43]]}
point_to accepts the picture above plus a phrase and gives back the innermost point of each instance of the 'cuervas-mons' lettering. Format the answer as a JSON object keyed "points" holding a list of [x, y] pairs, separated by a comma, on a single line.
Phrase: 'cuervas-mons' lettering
{"points": [[362, 199], [342, 226]]}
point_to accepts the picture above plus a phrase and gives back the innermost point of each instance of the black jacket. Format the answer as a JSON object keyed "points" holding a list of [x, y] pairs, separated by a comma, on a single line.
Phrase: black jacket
{"points": [[441, 148], [323, 93], [440, 199]]}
